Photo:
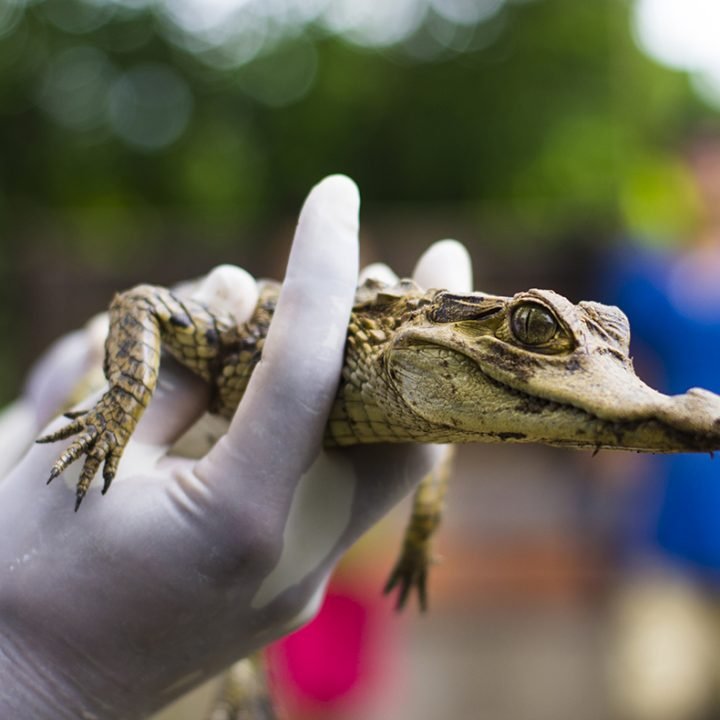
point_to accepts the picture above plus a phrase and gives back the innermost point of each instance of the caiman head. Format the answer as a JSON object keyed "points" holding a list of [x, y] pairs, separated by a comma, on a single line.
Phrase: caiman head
{"points": [[538, 368]]}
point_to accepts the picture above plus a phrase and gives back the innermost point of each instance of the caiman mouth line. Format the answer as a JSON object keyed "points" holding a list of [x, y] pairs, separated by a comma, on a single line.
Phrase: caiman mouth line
{"points": [[591, 430], [537, 404]]}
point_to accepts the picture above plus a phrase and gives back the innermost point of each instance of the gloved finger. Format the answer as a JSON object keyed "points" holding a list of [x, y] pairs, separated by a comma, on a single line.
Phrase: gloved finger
{"points": [[380, 475], [53, 377], [445, 264], [378, 271], [341, 497], [387, 473], [18, 428], [180, 398], [228, 289], [279, 425], [46, 391]]}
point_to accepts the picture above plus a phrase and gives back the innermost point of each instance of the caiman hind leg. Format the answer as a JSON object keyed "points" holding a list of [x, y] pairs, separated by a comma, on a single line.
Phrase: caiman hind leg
{"points": [[416, 556], [244, 694], [141, 321]]}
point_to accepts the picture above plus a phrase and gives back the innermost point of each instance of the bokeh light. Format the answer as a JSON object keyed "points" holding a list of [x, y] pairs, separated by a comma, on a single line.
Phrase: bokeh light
{"points": [[269, 44], [374, 22], [281, 77], [684, 35], [10, 14], [78, 18], [149, 106], [74, 88], [466, 12]]}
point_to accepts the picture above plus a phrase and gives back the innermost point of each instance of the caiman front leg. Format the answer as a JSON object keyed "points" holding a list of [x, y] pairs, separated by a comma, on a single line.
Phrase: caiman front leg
{"points": [[141, 319]]}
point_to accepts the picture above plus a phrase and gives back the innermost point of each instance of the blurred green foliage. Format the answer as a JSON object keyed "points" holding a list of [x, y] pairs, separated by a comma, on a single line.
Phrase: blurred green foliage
{"points": [[115, 129]]}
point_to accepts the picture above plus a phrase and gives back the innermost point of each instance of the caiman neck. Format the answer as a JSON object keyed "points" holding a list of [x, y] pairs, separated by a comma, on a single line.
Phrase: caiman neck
{"points": [[368, 407], [356, 416]]}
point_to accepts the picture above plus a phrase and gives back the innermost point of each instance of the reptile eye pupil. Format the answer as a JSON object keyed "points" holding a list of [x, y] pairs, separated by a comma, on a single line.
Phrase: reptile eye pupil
{"points": [[533, 324]]}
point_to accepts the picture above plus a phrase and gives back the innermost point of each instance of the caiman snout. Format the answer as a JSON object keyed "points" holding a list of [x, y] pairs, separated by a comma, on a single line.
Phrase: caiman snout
{"points": [[685, 423], [601, 402], [538, 368]]}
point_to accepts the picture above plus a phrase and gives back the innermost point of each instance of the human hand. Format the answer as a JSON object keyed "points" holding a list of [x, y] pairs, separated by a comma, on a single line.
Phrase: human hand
{"points": [[187, 565]]}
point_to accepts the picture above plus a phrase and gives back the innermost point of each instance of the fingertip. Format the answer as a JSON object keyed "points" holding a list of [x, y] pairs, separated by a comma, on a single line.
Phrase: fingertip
{"points": [[290, 392], [339, 192], [378, 271], [228, 289], [331, 211], [445, 264], [96, 329]]}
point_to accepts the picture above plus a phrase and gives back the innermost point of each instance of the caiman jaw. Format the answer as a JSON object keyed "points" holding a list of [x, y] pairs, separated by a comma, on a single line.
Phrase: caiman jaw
{"points": [[576, 388], [654, 423]]}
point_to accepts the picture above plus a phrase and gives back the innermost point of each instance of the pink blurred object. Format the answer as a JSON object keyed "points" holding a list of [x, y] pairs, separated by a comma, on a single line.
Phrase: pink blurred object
{"points": [[341, 663]]}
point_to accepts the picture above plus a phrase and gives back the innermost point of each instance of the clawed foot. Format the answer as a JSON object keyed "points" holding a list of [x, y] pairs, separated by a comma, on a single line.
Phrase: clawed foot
{"points": [[103, 433], [410, 572]]}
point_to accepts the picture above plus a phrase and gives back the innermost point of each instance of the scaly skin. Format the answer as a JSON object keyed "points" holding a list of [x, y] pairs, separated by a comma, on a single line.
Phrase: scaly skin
{"points": [[420, 366]]}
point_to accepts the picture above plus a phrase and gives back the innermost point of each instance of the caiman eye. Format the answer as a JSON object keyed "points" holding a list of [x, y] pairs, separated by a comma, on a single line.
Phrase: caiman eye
{"points": [[533, 324]]}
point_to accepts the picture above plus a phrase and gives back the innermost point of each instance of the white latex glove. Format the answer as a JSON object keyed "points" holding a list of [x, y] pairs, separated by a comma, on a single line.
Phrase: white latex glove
{"points": [[185, 566]]}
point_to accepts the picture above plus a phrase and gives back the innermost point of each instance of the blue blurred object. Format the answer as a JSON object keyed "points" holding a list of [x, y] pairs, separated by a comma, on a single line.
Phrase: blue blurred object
{"points": [[677, 512]]}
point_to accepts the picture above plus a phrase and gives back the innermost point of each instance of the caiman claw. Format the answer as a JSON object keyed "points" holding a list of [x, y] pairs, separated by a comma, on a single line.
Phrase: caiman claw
{"points": [[411, 571], [102, 439]]}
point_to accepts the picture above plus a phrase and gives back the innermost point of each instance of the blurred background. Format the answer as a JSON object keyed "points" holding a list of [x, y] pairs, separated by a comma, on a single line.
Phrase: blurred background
{"points": [[571, 145]]}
